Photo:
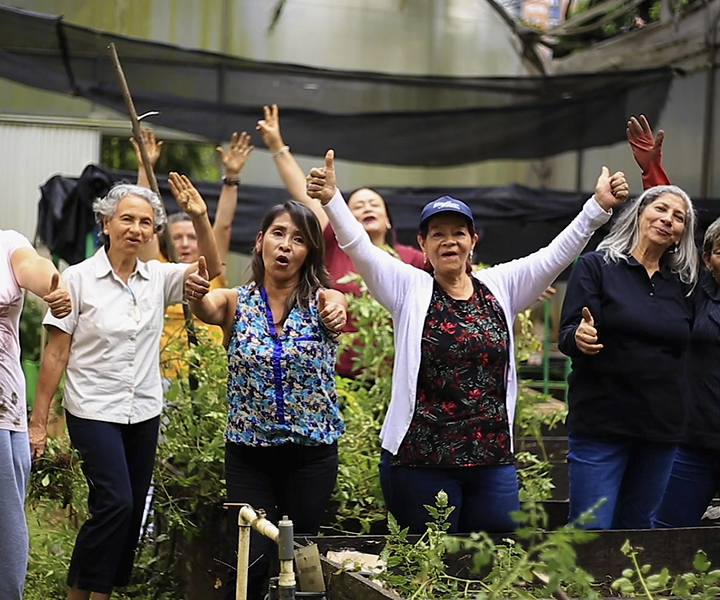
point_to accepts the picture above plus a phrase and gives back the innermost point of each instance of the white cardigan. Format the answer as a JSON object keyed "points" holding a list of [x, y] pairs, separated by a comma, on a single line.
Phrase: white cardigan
{"points": [[406, 292]]}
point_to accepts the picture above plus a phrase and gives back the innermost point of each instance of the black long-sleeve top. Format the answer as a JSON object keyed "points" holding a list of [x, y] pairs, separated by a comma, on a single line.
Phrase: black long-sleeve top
{"points": [[634, 386], [703, 366]]}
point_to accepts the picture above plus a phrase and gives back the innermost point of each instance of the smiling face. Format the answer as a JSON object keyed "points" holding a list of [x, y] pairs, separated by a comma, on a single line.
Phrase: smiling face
{"points": [[662, 222], [185, 240], [283, 249], [448, 244], [131, 227], [369, 208]]}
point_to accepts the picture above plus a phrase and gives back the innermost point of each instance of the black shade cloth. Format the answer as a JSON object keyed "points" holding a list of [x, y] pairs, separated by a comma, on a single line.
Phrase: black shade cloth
{"points": [[513, 221], [366, 117]]}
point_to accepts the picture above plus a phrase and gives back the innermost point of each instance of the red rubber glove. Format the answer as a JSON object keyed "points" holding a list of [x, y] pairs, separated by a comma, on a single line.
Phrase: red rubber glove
{"points": [[647, 150]]}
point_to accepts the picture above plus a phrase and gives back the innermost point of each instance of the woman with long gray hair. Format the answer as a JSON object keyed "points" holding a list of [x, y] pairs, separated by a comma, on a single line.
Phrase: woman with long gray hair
{"points": [[626, 324], [109, 347]]}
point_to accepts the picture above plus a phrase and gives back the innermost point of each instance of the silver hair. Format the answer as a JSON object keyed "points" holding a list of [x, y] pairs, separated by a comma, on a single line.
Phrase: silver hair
{"points": [[712, 236], [623, 237], [106, 207], [178, 217]]}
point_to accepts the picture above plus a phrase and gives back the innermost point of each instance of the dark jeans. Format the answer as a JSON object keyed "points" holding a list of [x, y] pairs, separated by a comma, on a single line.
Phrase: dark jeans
{"points": [[117, 461], [483, 497], [693, 482], [631, 474], [291, 480]]}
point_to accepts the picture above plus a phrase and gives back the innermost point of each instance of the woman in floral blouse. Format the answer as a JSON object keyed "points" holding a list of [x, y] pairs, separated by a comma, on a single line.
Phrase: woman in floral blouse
{"points": [[449, 422], [283, 417]]}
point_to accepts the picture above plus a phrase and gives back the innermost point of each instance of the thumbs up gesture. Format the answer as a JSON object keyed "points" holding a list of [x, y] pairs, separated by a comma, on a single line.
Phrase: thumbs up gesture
{"points": [[586, 335], [197, 284], [611, 190], [333, 314], [321, 183], [58, 298]]}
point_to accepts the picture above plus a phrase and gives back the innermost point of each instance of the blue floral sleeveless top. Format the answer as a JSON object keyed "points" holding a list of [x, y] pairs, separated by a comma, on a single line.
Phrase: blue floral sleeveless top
{"points": [[281, 388]]}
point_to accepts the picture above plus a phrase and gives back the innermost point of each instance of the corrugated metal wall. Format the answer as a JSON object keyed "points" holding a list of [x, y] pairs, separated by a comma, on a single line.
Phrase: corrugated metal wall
{"points": [[29, 156]]}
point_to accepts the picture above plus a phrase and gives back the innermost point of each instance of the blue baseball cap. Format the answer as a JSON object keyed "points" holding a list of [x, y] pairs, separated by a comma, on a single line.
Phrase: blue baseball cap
{"points": [[445, 204]]}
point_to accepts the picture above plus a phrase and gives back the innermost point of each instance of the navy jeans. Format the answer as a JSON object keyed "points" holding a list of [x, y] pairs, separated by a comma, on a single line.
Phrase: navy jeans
{"points": [[693, 482], [483, 497], [117, 461], [631, 475]]}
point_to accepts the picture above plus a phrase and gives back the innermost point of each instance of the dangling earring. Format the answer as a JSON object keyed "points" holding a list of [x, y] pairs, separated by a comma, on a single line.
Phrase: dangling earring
{"points": [[674, 248]]}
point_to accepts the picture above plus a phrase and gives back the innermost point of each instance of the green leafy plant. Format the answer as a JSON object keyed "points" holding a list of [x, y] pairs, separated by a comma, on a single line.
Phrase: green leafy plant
{"points": [[534, 564], [30, 330], [357, 497], [191, 451], [416, 569], [533, 477], [364, 401], [638, 580]]}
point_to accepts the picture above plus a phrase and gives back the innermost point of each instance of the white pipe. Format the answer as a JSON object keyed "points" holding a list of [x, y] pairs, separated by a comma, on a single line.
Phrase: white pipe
{"points": [[243, 559], [248, 516], [287, 574]]}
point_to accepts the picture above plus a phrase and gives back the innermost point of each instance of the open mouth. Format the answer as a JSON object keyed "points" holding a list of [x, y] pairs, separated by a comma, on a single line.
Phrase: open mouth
{"points": [[449, 254], [282, 260], [369, 219]]}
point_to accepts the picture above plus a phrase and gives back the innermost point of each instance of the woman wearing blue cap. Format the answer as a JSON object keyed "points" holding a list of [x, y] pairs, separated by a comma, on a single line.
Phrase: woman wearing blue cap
{"points": [[449, 422]]}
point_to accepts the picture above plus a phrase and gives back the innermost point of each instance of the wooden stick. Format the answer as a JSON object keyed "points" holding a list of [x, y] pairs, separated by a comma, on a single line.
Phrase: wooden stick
{"points": [[137, 134]]}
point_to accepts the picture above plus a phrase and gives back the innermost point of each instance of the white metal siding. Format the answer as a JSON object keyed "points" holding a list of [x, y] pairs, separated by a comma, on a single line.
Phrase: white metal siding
{"points": [[29, 156]]}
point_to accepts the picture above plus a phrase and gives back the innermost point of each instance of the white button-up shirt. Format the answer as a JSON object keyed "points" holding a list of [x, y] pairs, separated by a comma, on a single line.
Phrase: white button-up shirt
{"points": [[113, 371]]}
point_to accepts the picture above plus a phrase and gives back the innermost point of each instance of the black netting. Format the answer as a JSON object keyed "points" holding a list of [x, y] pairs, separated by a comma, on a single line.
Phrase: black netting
{"points": [[513, 221], [367, 117]]}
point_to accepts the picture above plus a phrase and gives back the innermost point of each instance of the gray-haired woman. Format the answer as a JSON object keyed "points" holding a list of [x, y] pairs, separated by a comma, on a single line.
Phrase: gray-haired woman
{"points": [[109, 347], [626, 324]]}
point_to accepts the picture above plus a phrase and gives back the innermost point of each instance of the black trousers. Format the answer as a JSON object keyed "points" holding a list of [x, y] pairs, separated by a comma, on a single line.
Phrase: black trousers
{"points": [[118, 464], [291, 480]]}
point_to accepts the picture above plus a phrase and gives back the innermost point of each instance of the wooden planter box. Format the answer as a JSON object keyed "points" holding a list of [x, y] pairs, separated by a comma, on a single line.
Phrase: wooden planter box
{"points": [[671, 548]]}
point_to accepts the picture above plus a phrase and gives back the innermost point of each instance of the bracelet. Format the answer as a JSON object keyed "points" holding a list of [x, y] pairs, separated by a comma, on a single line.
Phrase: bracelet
{"points": [[282, 150], [231, 181]]}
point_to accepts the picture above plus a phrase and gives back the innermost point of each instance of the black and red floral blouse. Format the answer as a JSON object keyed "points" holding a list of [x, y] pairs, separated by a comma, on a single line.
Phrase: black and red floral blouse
{"points": [[460, 415]]}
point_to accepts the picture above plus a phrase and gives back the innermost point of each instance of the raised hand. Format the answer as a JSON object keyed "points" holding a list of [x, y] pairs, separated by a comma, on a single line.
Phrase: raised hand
{"points": [[189, 199], [611, 190], [646, 148], [321, 183], [152, 146], [197, 284], [269, 128], [333, 315], [586, 338], [234, 159], [58, 299]]}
